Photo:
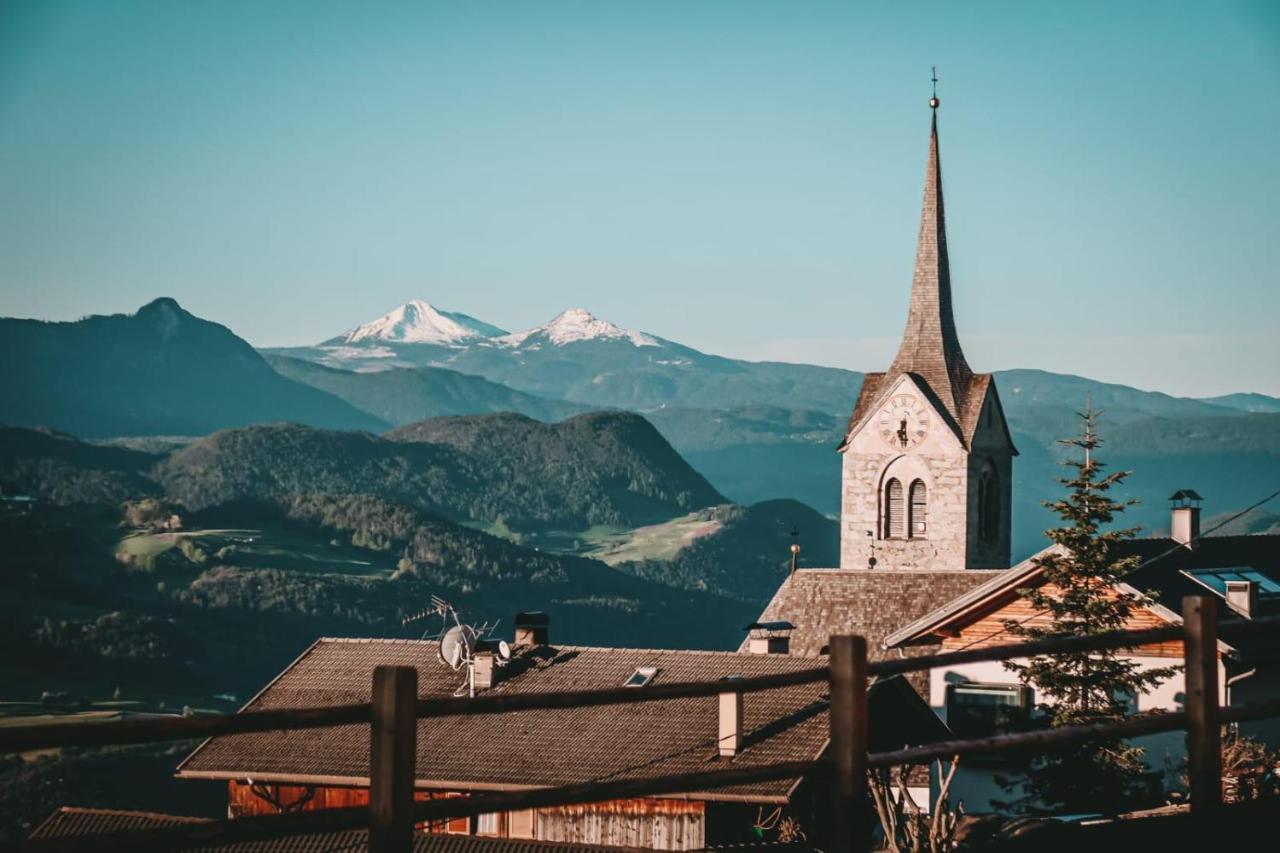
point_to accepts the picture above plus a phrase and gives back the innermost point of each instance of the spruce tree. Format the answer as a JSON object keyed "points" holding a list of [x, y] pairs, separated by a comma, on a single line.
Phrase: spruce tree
{"points": [[1079, 596]]}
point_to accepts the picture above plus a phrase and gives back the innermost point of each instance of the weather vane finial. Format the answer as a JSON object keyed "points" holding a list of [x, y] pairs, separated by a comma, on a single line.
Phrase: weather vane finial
{"points": [[933, 102]]}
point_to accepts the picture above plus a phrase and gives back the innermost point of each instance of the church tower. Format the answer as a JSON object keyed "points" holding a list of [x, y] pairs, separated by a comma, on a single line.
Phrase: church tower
{"points": [[927, 459]]}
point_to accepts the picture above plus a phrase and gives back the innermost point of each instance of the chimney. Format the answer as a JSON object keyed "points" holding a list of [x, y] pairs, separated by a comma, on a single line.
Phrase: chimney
{"points": [[1242, 597], [485, 671], [1185, 522], [730, 721], [532, 628], [769, 638]]}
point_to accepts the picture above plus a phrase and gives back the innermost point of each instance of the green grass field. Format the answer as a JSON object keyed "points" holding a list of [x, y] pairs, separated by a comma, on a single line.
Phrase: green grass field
{"points": [[613, 545], [274, 547], [654, 542]]}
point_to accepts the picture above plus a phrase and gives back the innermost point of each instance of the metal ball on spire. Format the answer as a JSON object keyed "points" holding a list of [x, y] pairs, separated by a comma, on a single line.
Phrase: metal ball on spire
{"points": [[933, 101]]}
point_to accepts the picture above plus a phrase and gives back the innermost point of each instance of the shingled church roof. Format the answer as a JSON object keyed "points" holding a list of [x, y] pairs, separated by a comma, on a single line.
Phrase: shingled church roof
{"points": [[930, 348], [871, 602]]}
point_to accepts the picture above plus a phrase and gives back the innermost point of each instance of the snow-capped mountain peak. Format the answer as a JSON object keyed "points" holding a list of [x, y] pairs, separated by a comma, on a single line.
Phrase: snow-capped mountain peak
{"points": [[418, 322], [577, 324]]}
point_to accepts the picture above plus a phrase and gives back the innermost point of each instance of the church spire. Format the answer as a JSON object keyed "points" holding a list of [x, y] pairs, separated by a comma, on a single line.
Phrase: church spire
{"points": [[930, 347]]}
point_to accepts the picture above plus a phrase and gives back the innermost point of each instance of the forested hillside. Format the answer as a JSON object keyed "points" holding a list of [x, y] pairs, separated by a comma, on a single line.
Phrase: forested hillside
{"points": [[603, 468]]}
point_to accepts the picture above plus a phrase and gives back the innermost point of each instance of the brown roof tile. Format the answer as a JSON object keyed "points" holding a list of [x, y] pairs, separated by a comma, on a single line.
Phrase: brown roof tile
{"points": [[528, 748], [1162, 572], [871, 602]]}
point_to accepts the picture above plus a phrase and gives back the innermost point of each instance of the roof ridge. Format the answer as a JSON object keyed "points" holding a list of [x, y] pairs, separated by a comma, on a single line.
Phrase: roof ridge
{"points": [[934, 572], [90, 810], [558, 646]]}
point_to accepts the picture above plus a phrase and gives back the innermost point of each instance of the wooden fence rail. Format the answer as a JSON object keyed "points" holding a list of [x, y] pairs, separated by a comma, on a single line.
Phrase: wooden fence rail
{"points": [[395, 710], [47, 736]]}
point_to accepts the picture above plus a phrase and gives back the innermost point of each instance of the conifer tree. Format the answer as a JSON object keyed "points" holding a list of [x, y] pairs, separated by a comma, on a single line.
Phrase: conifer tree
{"points": [[1079, 596]]}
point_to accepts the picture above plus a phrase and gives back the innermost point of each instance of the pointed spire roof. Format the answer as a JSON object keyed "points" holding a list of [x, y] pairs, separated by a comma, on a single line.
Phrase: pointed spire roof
{"points": [[930, 348]]}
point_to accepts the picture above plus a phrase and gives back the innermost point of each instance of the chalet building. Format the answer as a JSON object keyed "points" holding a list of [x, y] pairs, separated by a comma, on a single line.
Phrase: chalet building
{"points": [[460, 756], [982, 699]]}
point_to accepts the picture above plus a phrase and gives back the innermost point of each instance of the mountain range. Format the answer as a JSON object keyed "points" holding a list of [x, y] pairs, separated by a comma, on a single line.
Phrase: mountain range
{"points": [[755, 430], [764, 430]]}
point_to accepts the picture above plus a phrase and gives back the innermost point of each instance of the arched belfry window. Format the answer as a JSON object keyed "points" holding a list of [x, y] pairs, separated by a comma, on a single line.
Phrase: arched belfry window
{"points": [[988, 504], [894, 515], [918, 522]]}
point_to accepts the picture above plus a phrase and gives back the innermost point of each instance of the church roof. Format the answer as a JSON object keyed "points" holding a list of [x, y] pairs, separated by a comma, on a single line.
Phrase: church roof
{"points": [[871, 602], [930, 347]]}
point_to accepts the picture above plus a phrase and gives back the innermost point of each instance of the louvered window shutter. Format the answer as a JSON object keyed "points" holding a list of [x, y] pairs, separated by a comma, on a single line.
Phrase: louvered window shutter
{"points": [[919, 508], [893, 513]]}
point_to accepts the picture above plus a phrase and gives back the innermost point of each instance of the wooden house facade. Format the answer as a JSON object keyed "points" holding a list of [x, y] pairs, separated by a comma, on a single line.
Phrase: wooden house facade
{"points": [[471, 755]]}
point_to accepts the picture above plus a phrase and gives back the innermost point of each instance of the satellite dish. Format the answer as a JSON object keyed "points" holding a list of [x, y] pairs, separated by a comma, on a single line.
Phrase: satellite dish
{"points": [[504, 650], [456, 645]]}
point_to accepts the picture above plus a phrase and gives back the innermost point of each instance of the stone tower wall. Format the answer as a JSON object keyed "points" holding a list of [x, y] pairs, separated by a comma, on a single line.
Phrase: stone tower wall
{"points": [[941, 462]]}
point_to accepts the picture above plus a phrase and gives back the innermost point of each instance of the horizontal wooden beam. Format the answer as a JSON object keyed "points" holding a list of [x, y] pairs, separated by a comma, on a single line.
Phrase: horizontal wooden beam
{"points": [[332, 820], [25, 738]]}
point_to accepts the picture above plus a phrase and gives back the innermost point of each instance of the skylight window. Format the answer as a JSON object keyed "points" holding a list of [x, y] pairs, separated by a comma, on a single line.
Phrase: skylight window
{"points": [[1216, 579], [642, 676]]}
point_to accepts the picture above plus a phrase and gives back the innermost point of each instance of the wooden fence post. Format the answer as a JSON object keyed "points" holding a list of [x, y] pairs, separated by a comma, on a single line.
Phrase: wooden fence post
{"points": [[1204, 746], [393, 757], [849, 827]]}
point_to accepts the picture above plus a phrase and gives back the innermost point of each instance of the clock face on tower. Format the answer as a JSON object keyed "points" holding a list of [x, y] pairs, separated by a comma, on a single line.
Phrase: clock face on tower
{"points": [[904, 421]]}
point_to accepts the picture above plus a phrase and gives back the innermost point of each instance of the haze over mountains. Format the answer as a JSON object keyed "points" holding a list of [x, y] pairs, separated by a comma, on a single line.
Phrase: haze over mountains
{"points": [[764, 430], [755, 430]]}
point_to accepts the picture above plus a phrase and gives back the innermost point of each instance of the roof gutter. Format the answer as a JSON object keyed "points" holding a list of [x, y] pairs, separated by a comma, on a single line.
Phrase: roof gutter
{"points": [[466, 787]]}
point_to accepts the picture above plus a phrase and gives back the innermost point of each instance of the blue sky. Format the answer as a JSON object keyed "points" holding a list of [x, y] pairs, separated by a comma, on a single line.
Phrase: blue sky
{"points": [[742, 177]]}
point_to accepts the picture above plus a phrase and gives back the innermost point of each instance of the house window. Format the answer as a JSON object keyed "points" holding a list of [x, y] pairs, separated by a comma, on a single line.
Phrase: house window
{"points": [[520, 824], [982, 710], [642, 676], [988, 504], [919, 509], [894, 517], [487, 824]]}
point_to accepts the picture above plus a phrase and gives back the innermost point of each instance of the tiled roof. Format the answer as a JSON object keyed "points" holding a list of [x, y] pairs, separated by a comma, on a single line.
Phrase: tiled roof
{"points": [[529, 748], [871, 602], [70, 822], [1160, 573]]}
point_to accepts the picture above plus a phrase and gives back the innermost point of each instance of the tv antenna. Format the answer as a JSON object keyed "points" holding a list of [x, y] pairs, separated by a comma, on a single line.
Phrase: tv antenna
{"points": [[458, 642]]}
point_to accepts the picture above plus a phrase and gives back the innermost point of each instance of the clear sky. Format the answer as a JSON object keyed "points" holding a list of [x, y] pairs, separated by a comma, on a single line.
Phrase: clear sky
{"points": [[743, 177]]}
